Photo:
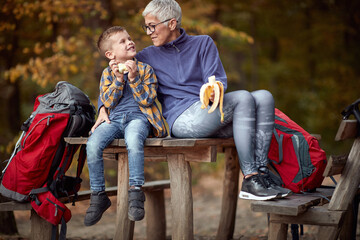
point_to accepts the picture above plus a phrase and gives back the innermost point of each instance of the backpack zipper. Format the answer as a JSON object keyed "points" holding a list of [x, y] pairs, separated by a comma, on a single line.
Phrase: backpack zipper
{"points": [[47, 123], [56, 207]]}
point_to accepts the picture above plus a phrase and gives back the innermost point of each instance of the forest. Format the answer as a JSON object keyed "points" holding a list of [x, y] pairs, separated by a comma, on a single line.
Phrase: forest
{"points": [[305, 52]]}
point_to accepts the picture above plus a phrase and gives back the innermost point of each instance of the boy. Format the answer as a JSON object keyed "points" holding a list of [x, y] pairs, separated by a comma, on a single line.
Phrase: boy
{"points": [[130, 98]]}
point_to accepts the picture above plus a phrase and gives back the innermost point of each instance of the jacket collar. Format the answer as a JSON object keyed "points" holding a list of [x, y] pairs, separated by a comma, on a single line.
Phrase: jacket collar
{"points": [[177, 43]]}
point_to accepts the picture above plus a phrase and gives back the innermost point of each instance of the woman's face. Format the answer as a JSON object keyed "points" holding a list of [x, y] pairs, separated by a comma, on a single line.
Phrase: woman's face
{"points": [[162, 33]]}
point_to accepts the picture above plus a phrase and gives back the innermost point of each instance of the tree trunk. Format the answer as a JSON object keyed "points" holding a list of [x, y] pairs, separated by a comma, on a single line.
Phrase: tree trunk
{"points": [[8, 103]]}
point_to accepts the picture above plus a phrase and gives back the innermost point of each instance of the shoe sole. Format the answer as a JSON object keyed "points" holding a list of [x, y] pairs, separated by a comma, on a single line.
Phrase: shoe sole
{"points": [[134, 219], [249, 196], [98, 218], [286, 194]]}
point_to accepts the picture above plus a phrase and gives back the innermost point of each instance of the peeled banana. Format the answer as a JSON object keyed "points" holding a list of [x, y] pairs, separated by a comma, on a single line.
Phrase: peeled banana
{"points": [[122, 68], [205, 94]]}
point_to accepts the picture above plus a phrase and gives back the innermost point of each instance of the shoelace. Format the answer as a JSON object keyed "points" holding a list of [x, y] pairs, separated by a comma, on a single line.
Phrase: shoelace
{"points": [[268, 181], [257, 179]]}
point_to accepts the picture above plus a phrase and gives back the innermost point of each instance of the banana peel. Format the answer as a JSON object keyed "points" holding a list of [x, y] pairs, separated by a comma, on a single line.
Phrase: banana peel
{"points": [[205, 94]]}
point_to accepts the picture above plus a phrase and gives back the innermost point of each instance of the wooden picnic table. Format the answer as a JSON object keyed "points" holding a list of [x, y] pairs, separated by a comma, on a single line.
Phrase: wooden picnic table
{"points": [[178, 153]]}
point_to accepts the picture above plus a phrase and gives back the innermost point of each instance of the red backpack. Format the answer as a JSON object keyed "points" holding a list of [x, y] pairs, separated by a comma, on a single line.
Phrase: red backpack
{"points": [[36, 170], [296, 155]]}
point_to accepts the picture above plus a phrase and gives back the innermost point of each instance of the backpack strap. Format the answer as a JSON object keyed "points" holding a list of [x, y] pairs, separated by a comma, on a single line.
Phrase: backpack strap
{"points": [[81, 160], [17, 147], [63, 230], [33, 194], [80, 166], [279, 140]]}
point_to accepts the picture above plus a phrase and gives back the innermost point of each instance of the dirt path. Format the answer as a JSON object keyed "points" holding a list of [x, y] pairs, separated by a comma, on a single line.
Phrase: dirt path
{"points": [[207, 203]]}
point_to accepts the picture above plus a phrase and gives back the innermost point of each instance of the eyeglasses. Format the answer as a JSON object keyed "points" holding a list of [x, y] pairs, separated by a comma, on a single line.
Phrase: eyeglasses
{"points": [[151, 27]]}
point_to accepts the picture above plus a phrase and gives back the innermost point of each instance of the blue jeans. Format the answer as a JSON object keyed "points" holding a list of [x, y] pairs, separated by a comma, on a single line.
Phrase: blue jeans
{"points": [[248, 117], [134, 128]]}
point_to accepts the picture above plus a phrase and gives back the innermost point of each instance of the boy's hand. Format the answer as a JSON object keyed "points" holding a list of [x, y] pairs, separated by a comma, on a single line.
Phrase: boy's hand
{"points": [[115, 68], [132, 68]]}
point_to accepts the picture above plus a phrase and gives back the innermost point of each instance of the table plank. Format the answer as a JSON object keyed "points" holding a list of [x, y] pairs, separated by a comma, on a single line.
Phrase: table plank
{"points": [[347, 129], [292, 205], [164, 142], [316, 215]]}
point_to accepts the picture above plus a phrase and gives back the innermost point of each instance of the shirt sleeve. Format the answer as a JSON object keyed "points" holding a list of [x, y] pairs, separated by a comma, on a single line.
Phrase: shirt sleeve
{"points": [[211, 63], [145, 85], [110, 89]]}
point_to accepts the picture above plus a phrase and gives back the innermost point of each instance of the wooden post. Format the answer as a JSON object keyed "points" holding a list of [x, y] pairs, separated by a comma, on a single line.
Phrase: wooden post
{"points": [[327, 232], [124, 227], [349, 181], [277, 231], [155, 215], [230, 195], [348, 229], [181, 197], [40, 228]]}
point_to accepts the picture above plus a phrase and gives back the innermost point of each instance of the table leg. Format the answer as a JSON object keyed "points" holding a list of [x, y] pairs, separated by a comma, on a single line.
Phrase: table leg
{"points": [[40, 228], [278, 231], [124, 227], [230, 195], [181, 197]]}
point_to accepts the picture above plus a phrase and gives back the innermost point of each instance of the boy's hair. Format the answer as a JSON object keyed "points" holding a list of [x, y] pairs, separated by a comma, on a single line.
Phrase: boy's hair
{"points": [[163, 10], [103, 43]]}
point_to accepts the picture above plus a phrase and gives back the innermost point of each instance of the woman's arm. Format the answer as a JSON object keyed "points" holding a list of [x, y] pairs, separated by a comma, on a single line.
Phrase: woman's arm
{"points": [[102, 117]]}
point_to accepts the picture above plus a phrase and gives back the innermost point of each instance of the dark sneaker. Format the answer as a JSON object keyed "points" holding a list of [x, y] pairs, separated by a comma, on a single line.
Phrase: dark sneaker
{"points": [[99, 203], [136, 210], [254, 189], [270, 183]]}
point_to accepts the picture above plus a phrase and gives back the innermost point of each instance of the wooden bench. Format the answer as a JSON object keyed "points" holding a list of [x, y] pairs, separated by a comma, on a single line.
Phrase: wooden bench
{"points": [[178, 153], [154, 207], [314, 208]]}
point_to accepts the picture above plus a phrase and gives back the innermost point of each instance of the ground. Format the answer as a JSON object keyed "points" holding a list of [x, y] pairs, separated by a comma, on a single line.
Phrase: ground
{"points": [[207, 205]]}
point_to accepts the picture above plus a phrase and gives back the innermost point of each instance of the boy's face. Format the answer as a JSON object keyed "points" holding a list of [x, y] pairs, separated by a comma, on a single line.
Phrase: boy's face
{"points": [[122, 48]]}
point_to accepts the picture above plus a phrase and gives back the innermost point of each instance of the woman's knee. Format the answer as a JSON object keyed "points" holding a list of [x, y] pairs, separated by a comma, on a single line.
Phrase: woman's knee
{"points": [[242, 97], [263, 97]]}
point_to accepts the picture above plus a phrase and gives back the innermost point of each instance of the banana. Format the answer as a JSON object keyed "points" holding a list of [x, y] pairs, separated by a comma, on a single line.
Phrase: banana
{"points": [[205, 93], [122, 68]]}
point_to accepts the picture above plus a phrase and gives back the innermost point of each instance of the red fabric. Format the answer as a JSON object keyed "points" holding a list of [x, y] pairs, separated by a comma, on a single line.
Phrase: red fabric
{"points": [[30, 166], [289, 167], [50, 208]]}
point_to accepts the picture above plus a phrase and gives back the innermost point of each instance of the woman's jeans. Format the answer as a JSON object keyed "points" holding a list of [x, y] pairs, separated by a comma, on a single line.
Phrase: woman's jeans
{"points": [[134, 128], [248, 117]]}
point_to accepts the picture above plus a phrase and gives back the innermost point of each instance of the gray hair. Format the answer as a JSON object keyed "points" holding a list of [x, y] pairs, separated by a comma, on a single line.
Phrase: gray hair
{"points": [[163, 10]]}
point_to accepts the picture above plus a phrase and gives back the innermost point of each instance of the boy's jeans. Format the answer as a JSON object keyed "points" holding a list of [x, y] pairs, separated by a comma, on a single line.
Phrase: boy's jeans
{"points": [[134, 128]]}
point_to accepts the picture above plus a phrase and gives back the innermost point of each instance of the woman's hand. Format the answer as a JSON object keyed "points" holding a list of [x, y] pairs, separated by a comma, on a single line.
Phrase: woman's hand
{"points": [[103, 117]]}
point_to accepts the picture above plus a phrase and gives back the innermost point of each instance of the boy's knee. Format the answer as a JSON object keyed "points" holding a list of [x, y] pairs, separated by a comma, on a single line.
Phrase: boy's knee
{"points": [[135, 146], [93, 148]]}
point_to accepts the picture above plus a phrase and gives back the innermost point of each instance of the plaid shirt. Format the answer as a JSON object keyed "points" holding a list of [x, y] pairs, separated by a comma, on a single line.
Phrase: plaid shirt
{"points": [[144, 89]]}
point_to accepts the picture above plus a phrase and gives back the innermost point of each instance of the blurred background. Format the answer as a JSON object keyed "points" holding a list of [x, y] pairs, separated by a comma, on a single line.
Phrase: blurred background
{"points": [[305, 52]]}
